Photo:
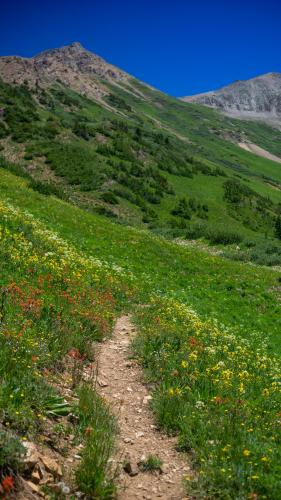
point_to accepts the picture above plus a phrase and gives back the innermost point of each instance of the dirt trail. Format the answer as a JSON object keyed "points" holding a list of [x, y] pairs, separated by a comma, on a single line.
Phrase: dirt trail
{"points": [[120, 383]]}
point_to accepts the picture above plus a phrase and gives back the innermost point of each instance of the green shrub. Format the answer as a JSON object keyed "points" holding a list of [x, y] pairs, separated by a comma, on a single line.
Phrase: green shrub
{"points": [[118, 102], [47, 189], [223, 236], [3, 131], [109, 197], [11, 453], [14, 168], [182, 209]]}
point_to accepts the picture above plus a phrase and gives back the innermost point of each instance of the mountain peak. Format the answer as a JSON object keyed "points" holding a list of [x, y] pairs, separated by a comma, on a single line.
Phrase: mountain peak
{"points": [[257, 98], [76, 45], [74, 49], [73, 65]]}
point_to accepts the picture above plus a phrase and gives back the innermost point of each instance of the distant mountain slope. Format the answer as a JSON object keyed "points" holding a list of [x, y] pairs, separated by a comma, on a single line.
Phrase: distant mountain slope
{"points": [[257, 98]]}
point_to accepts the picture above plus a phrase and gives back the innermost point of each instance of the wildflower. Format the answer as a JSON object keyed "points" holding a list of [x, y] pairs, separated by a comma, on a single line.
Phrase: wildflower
{"points": [[226, 448], [265, 392], [218, 400], [246, 453], [241, 388], [184, 364], [193, 341], [171, 391], [264, 459], [7, 483], [255, 477], [193, 356]]}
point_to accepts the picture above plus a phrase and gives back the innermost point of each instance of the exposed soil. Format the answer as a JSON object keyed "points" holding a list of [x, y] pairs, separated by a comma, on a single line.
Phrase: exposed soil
{"points": [[257, 150], [120, 382]]}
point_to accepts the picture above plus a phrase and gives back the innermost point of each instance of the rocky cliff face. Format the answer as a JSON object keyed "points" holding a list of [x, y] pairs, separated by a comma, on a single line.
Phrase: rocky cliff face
{"points": [[257, 98], [73, 65]]}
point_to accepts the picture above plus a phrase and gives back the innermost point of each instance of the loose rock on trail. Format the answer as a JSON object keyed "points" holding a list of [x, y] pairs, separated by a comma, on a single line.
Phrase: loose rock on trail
{"points": [[120, 382]]}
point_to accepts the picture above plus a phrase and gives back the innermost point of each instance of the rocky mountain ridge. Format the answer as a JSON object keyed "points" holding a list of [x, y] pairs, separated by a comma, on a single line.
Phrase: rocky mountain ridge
{"points": [[258, 98], [72, 65]]}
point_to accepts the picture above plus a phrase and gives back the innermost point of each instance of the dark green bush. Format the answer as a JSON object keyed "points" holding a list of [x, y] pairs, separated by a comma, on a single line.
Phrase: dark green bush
{"points": [[182, 209], [47, 189], [109, 197], [223, 236], [3, 131]]}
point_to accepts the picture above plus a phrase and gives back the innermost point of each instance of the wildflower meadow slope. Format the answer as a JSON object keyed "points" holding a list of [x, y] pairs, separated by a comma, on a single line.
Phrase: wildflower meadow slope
{"points": [[208, 341], [221, 394], [53, 302]]}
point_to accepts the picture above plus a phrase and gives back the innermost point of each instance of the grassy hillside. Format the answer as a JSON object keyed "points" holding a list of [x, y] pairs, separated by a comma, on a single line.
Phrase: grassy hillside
{"points": [[66, 274], [92, 195], [155, 162]]}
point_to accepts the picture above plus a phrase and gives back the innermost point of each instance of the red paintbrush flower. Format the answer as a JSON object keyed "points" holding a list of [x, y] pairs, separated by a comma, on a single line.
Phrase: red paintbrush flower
{"points": [[7, 483]]}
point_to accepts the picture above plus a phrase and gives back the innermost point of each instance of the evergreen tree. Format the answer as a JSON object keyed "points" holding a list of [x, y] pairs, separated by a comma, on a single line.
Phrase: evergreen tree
{"points": [[278, 227]]}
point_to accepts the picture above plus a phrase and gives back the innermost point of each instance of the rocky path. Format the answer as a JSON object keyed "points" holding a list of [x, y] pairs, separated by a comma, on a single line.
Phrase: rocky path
{"points": [[120, 383]]}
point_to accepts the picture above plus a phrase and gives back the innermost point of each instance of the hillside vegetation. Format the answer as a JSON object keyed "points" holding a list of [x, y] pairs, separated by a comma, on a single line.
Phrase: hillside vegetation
{"points": [[120, 199], [62, 286], [143, 159]]}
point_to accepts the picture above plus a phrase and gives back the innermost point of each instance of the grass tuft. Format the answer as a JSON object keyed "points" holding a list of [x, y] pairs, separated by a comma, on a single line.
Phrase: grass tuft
{"points": [[98, 426]]}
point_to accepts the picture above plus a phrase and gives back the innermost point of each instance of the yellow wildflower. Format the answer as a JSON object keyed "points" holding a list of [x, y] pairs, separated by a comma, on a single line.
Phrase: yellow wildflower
{"points": [[265, 392]]}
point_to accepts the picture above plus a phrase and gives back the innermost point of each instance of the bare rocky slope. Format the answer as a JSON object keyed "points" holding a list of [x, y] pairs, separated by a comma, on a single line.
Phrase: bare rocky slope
{"points": [[72, 65], [258, 98]]}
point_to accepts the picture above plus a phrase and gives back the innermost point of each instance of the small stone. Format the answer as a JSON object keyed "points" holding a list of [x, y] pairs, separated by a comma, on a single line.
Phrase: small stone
{"points": [[127, 440], [102, 382], [146, 399], [131, 468], [35, 477], [51, 465], [48, 478], [78, 457], [32, 456], [164, 469], [139, 434], [73, 418], [33, 486]]}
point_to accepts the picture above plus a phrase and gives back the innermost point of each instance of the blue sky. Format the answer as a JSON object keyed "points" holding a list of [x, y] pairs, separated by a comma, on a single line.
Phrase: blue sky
{"points": [[181, 47]]}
